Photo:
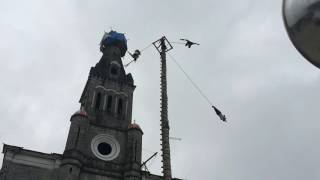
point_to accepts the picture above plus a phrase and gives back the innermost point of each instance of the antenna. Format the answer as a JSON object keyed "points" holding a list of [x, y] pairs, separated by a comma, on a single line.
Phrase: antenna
{"points": [[144, 164], [175, 138]]}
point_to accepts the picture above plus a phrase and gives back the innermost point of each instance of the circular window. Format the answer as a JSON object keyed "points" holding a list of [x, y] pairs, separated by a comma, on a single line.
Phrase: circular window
{"points": [[114, 70], [105, 147]]}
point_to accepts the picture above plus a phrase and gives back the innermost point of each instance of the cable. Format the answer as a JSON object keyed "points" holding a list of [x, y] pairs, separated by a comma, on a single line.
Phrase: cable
{"points": [[192, 82], [126, 65], [152, 161], [146, 47], [178, 43]]}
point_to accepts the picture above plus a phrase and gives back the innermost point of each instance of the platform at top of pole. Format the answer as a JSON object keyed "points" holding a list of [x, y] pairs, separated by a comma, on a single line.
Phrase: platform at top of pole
{"points": [[160, 42]]}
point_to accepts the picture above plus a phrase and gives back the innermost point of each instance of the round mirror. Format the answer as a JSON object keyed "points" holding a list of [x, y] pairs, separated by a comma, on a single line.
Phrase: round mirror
{"points": [[302, 21]]}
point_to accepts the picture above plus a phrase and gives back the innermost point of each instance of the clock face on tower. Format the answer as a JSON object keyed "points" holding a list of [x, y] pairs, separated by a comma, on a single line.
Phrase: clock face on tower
{"points": [[105, 147]]}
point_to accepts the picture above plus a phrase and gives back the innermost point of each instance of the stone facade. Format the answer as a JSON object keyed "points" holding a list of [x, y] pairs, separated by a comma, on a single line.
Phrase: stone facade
{"points": [[102, 143]]}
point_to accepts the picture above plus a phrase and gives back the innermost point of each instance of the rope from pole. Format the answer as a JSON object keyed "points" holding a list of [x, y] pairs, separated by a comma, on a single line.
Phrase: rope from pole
{"points": [[191, 81], [145, 48]]}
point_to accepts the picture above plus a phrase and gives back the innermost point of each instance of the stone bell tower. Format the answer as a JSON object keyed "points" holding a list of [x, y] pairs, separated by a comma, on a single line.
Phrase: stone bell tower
{"points": [[102, 142]]}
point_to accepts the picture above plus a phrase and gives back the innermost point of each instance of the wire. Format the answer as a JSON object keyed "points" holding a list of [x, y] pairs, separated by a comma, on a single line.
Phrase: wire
{"points": [[192, 82], [177, 42], [126, 65], [146, 47], [152, 160]]}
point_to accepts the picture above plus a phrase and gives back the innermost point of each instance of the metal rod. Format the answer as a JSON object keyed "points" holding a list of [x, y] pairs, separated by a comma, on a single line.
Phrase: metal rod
{"points": [[144, 163]]}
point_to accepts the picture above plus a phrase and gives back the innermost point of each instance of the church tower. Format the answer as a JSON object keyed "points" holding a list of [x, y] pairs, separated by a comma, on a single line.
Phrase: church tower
{"points": [[102, 143], [101, 136]]}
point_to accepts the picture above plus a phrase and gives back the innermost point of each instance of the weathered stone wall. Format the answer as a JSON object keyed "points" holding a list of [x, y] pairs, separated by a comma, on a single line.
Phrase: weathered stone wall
{"points": [[87, 176], [23, 172]]}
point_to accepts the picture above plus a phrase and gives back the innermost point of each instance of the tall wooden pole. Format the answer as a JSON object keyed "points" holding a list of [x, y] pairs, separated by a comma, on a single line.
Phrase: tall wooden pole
{"points": [[163, 46], [165, 144]]}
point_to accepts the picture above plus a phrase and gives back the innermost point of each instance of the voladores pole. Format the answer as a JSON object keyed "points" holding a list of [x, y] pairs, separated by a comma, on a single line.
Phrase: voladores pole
{"points": [[163, 46]]}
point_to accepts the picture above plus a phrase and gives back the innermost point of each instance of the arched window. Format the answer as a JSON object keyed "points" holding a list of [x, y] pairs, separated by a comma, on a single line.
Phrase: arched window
{"points": [[98, 101], [109, 103], [120, 107]]}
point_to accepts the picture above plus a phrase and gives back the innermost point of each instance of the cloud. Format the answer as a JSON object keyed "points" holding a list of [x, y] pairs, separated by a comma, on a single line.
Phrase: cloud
{"points": [[245, 65]]}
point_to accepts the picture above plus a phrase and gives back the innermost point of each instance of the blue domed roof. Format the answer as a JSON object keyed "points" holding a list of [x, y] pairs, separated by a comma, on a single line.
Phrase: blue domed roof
{"points": [[114, 38]]}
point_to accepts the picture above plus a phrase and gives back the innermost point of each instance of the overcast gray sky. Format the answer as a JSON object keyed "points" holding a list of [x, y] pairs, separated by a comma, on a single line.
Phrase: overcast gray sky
{"points": [[245, 64]]}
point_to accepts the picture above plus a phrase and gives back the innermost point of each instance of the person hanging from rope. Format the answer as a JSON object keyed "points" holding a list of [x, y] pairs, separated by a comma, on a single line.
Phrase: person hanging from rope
{"points": [[221, 116], [135, 55], [218, 112], [189, 43]]}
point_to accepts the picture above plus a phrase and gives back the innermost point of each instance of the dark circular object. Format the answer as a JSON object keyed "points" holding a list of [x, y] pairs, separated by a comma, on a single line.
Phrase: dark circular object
{"points": [[302, 22], [114, 70], [104, 148]]}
